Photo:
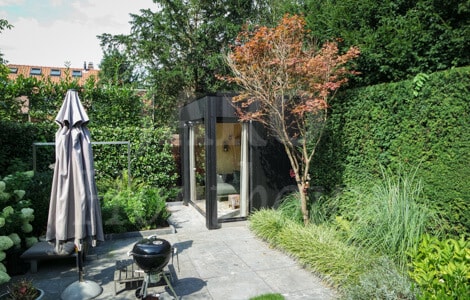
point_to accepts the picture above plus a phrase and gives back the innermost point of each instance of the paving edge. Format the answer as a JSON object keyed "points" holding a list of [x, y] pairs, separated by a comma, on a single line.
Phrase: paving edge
{"points": [[141, 234]]}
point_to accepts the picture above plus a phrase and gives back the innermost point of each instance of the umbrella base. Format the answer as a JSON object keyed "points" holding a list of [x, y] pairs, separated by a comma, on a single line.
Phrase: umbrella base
{"points": [[82, 290]]}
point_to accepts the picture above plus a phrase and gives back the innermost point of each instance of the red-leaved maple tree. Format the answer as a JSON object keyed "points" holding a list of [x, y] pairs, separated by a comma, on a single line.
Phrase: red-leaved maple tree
{"points": [[287, 85]]}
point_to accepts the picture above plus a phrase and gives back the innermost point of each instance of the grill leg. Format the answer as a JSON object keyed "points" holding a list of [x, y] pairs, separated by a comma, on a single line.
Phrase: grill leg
{"points": [[141, 293], [168, 283]]}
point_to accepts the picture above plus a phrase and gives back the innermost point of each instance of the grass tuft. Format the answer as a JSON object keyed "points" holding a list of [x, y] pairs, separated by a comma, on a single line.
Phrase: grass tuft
{"points": [[268, 297], [317, 247], [390, 220]]}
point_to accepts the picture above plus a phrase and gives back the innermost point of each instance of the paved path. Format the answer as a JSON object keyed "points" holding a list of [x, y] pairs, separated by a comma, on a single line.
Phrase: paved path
{"points": [[222, 264]]}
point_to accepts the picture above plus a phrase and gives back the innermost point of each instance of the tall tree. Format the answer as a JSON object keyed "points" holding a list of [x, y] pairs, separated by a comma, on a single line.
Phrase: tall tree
{"points": [[116, 68], [397, 38], [287, 85], [178, 47]]}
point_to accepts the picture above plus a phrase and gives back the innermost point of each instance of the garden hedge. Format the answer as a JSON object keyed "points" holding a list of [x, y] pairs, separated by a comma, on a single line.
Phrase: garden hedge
{"points": [[16, 145], [151, 153], [421, 123]]}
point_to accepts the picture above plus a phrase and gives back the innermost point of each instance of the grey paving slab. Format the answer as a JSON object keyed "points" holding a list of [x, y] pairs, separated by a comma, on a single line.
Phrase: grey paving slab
{"points": [[226, 263]]}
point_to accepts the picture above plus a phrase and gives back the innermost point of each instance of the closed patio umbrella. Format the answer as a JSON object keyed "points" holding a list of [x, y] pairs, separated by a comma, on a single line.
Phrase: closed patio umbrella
{"points": [[74, 210]]}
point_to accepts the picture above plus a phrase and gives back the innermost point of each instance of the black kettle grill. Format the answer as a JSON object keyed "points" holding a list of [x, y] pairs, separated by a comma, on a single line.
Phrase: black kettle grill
{"points": [[151, 255]]}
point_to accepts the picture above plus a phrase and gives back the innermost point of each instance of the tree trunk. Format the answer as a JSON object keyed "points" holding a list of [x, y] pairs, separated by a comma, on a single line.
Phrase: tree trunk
{"points": [[303, 201]]}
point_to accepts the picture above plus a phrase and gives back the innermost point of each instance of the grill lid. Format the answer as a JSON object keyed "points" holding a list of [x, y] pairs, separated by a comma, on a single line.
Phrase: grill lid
{"points": [[152, 246]]}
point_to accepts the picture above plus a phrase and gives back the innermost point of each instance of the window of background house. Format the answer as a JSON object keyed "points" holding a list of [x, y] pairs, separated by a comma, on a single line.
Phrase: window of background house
{"points": [[55, 72], [35, 71]]}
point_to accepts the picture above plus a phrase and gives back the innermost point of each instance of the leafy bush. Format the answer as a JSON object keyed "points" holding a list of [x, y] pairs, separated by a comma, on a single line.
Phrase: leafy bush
{"points": [[441, 268], [398, 38], [134, 207], [382, 281], [39, 191], [16, 231]]}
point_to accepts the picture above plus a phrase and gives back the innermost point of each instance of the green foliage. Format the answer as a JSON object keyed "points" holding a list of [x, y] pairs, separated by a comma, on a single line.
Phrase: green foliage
{"points": [[318, 247], [42, 97], [382, 281], [267, 224], [16, 150], [386, 125], [178, 49], [269, 297], [134, 207], [113, 106], [17, 213], [357, 273], [115, 68], [390, 220], [39, 191], [151, 154], [290, 207], [398, 39], [441, 268], [418, 81], [106, 105]]}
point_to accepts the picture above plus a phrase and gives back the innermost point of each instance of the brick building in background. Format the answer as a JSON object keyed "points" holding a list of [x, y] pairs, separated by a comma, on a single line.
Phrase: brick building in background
{"points": [[56, 74]]}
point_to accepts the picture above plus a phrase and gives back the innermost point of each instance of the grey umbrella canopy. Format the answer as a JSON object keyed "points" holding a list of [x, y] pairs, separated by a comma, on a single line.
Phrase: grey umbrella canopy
{"points": [[74, 211]]}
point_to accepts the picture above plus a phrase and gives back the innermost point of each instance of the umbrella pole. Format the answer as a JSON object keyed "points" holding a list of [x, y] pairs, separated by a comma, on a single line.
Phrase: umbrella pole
{"points": [[80, 265], [81, 289]]}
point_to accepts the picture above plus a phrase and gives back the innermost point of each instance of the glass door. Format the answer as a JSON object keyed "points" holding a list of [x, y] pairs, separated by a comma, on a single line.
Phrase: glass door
{"points": [[197, 166], [232, 174]]}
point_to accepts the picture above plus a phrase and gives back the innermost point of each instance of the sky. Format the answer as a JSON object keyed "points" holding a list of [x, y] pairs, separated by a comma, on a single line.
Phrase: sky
{"points": [[53, 32]]}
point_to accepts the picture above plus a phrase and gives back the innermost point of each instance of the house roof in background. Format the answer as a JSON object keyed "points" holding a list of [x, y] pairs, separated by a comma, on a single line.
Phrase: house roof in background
{"points": [[56, 74]]}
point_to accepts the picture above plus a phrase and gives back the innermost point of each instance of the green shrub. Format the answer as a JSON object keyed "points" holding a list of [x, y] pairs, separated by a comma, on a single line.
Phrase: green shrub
{"points": [[441, 268], [16, 150], [134, 207], [320, 210], [382, 281], [39, 191], [16, 212]]}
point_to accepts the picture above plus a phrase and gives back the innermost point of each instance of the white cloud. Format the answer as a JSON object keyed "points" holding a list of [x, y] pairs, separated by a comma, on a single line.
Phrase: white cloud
{"points": [[72, 38], [10, 2]]}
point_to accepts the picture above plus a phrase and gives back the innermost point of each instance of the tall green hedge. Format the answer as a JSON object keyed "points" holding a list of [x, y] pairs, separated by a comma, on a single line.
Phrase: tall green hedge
{"points": [[151, 153], [422, 123], [16, 145]]}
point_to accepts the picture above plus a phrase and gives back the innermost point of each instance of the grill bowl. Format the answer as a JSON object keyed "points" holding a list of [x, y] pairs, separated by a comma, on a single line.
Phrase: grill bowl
{"points": [[151, 254]]}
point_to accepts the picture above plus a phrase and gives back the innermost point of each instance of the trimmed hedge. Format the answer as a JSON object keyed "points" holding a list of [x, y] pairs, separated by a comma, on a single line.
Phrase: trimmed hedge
{"points": [[16, 146], [151, 153], [418, 123]]}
